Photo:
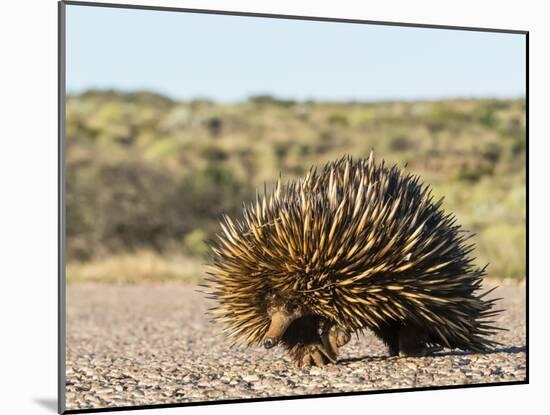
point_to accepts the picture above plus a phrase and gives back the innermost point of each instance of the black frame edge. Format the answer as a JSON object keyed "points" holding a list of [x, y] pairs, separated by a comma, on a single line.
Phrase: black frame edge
{"points": [[61, 281], [289, 17], [527, 207]]}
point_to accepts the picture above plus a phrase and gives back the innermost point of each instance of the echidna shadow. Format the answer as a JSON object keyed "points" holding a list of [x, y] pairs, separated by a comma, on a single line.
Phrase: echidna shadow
{"points": [[352, 246], [507, 350]]}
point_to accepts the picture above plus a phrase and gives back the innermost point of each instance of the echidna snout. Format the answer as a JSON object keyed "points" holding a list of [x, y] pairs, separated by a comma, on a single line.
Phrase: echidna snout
{"points": [[282, 315], [269, 342]]}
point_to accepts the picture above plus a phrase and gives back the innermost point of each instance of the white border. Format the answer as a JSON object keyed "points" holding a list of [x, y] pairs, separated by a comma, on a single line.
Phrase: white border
{"points": [[28, 178]]}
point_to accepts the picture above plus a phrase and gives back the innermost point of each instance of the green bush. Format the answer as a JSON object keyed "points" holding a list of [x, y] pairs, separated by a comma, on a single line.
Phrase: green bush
{"points": [[149, 174], [194, 243]]}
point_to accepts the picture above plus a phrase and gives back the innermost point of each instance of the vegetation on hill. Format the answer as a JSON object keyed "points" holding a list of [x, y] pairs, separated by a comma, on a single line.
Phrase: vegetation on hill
{"points": [[148, 177]]}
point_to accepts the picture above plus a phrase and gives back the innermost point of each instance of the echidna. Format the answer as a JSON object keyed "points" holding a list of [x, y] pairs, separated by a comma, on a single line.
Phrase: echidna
{"points": [[353, 246]]}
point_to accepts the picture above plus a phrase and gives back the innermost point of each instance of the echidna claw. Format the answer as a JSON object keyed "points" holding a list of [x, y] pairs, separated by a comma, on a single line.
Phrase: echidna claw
{"points": [[313, 355], [317, 358], [434, 349], [421, 351]]}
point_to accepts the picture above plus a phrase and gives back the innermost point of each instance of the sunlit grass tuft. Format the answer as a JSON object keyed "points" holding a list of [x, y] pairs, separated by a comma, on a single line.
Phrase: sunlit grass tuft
{"points": [[143, 266]]}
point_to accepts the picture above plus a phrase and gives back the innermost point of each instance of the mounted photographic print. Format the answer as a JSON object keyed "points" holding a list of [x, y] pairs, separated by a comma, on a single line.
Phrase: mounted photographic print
{"points": [[259, 206]]}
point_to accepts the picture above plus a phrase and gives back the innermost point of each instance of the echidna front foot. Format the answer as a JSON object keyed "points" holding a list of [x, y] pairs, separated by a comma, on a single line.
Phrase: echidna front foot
{"points": [[313, 355], [327, 351], [335, 338], [314, 341]]}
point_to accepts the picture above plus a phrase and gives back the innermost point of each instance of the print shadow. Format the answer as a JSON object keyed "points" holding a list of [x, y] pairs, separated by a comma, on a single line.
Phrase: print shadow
{"points": [[48, 403]]}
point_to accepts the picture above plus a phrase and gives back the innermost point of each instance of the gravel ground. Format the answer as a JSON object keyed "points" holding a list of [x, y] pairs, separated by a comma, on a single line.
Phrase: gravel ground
{"points": [[148, 344]]}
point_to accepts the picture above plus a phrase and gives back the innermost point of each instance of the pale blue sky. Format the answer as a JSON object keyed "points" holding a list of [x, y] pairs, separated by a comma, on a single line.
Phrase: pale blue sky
{"points": [[228, 58]]}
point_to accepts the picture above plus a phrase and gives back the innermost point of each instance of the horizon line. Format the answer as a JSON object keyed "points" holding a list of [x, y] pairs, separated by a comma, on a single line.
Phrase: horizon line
{"points": [[275, 98]]}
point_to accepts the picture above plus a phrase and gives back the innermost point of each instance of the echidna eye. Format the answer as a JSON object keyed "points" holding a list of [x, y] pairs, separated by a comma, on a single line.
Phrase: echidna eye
{"points": [[291, 308]]}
